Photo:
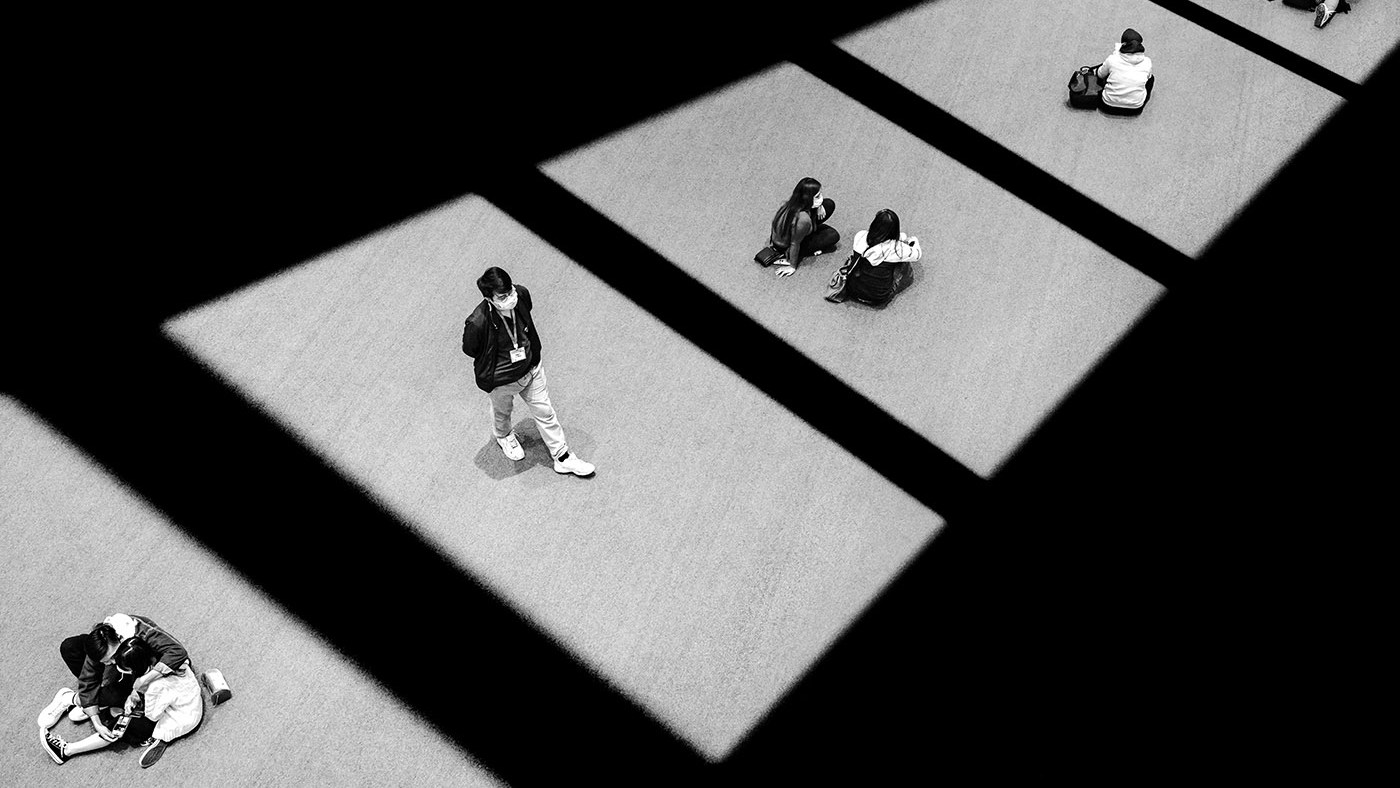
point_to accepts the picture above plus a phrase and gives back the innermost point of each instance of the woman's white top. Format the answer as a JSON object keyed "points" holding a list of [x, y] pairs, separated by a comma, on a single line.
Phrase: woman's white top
{"points": [[887, 251], [175, 703]]}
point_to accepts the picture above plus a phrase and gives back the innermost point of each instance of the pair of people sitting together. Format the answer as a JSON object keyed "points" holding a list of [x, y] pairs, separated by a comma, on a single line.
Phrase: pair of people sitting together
{"points": [[135, 684], [880, 263]]}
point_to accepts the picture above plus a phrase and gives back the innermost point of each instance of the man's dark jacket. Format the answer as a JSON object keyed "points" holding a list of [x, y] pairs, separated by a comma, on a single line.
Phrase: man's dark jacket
{"points": [[168, 651], [479, 337]]}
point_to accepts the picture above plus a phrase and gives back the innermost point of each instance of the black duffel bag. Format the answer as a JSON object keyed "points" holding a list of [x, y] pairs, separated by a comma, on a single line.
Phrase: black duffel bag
{"points": [[1084, 87]]}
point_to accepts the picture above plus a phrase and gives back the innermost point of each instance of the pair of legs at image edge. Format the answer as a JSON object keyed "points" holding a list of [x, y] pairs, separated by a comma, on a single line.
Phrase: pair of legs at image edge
{"points": [[1322, 11], [139, 731], [532, 390]]}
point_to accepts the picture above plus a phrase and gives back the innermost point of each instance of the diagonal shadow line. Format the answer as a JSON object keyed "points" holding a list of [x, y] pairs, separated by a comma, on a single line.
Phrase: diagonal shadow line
{"points": [[1273, 52], [235, 481], [1064, 627], [744, 31], [293, 196], [116, 451], [993, 161], [736, 340], [255, 239]]}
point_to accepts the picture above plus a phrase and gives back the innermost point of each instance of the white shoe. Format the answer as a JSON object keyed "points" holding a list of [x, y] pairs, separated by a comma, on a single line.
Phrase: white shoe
{"points": [[76, 714], [511, 447], [572, 464], [51, 714]]}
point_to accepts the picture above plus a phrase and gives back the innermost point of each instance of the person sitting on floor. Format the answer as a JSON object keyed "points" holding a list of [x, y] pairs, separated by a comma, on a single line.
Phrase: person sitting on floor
{"points": [[1127, 77], [170, 706], [800, 225], [882, 264]]}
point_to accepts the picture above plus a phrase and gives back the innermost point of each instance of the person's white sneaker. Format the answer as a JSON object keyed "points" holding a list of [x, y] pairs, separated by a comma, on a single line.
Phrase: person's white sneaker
{"points": [[511, 447], [76, 714], [572, 464], [51, 714]]}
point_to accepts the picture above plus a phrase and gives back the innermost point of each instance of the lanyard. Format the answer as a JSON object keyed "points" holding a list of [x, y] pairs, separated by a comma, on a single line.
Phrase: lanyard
{"points": [[510, 330]]}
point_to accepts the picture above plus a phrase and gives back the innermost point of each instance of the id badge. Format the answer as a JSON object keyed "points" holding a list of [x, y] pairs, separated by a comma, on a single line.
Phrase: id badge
{"points": [[517, 354]]}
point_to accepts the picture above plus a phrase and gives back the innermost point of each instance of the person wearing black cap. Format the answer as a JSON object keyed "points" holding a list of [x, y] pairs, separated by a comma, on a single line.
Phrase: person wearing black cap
{"points": [[1127, 77]]}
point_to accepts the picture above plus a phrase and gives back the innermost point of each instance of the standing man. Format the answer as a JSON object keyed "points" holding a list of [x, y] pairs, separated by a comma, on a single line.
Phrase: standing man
{"points": [[501, 338]]}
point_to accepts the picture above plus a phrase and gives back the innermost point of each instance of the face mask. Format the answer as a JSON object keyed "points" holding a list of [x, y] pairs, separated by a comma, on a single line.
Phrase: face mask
{"points": [[509, 303], [817, 200]]}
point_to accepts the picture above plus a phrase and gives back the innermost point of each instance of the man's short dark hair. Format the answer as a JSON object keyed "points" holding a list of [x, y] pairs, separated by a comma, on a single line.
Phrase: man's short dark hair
{"points": [[494, 282], [102, 637]]}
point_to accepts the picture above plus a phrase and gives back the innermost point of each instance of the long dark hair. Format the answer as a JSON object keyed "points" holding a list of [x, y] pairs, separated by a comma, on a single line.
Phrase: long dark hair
{"points": [[883, 227], [134, 655], [800, 200]]}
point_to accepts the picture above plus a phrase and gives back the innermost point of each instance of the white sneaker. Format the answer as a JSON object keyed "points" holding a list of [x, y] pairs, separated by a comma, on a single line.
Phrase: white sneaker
{"points": [[572, 464], [76, 714], [511, 447], [51, 714]]}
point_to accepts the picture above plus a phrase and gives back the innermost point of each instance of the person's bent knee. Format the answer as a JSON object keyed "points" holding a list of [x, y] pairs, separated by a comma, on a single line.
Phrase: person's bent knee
{"points": [[72, 653]]}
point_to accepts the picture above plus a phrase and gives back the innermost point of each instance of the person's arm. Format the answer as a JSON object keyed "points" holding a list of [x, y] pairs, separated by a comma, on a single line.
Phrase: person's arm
{"points": [[170, 656], [471, 338], [800, 230], [1104, 70], [102, 730], [89, 681], [907, 249], [89, 701], [151, 675]]}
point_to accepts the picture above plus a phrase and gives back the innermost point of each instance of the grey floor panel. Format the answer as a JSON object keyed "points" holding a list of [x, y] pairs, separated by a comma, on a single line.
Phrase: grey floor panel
{"points": [[1351, 44], [723, 542], [1008, 310], [301, 713], [1220, 124]]}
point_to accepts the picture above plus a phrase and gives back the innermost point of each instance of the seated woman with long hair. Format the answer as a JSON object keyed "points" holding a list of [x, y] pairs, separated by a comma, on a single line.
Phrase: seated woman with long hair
{"points": [[170, 707], [883, 265], [800, 225]]}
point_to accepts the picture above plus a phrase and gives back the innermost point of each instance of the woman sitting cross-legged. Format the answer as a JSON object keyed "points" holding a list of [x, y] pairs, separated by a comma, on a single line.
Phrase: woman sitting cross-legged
{"points": [[880, 263], [800, 226], [170, 707]]}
